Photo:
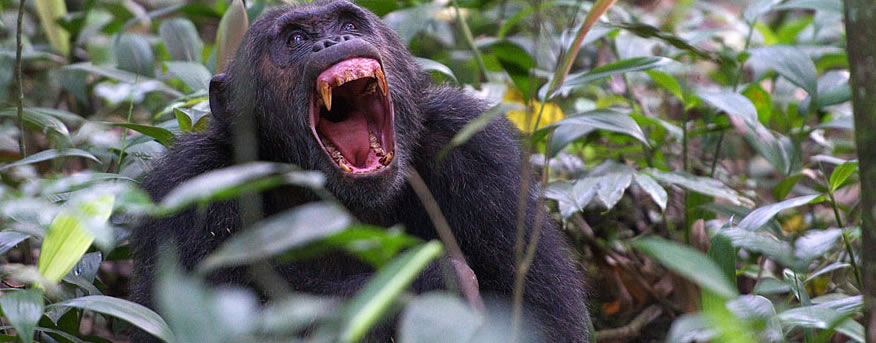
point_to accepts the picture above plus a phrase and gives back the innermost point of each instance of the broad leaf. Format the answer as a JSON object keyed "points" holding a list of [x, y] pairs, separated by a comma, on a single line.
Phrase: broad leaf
{"points": [[619, 67], [136, 314], [50, 154], [841, 173], [374, 299], [789, 62], [191, 119], [822, 318], [654, 190], [432, 65], [289, 230], [9, 239], [181, 40], [134, 54], [699, 184], [68, 237], [230, 33], [689, 263], [760, 216], [23, 309], [603, 119], [194, 75], [162, 135], [733, 104], [228, 183], [436, 318]]}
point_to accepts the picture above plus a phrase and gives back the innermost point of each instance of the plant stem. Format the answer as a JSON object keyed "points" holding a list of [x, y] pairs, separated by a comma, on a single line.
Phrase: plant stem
{"points": [[469, 38], [22, 145], [736, 79], [839, 221], [125, 135]]}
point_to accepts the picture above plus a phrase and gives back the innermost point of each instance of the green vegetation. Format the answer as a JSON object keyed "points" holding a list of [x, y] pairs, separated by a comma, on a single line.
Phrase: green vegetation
{"points": [[699, 155]]}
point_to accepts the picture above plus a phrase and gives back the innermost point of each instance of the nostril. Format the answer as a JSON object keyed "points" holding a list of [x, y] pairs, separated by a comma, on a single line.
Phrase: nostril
{"points": [[346, 37]]}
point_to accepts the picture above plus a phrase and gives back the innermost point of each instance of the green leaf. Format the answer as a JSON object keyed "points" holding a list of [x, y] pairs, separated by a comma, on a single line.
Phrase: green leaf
{"points": [[816, 243], [689, 263], [122, 76], [436, 318], [39, 119], [476, 125], [230, 34], [181, 40], [657, 193], [191, 119], [194, 75], [733, 104], [432, 65], [789, 62], [619, 67], [722, 252], [162, 135], [831, 6], [822, 318], [228, 183], [757, 218], [783, 188], [699, 184], [841, 173], [614, 179], [515, 61], [136, 314], [764, 243], [292, 229], [374, 299], [134, 54], [668, 82], [9, 239], [603, 119], [22, 309], [68, 238], [50, 154]]}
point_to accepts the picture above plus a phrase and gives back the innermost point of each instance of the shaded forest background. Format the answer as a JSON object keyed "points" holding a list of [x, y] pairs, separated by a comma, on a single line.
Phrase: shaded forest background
{"points": [[699, 155]]}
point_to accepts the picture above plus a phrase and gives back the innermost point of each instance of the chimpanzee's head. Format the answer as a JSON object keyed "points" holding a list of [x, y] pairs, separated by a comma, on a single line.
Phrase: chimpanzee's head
{"points": [[331, 88]]}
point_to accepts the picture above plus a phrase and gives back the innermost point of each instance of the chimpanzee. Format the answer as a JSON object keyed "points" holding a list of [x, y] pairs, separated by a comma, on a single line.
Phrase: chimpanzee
{"points": [[329, 87]]}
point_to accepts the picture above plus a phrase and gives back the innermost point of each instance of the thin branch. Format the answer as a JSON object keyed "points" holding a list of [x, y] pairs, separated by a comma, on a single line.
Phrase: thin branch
{"points": [[633, 328], [22, 147], [468, 282]]}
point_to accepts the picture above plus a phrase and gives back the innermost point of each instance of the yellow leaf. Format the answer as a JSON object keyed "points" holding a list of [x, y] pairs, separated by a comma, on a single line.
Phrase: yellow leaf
{"points": [[551, 113], [68, 238], [50, 11]]}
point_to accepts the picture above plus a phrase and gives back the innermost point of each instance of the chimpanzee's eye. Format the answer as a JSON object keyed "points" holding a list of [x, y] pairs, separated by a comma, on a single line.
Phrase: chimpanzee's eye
{"points": [[297, 37], [349, 27]]}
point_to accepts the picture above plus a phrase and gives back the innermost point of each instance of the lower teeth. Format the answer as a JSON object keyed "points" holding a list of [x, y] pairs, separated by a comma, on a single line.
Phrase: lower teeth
{"points": [[384, 157]]}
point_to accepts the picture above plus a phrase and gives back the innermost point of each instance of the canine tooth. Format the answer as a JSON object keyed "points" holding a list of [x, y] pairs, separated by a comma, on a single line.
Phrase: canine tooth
{"points": [[381, 80], [326, 91], [386, 158]]}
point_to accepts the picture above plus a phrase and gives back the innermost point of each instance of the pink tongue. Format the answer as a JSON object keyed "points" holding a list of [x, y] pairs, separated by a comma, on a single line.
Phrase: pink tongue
{"points": [[349, 136]]}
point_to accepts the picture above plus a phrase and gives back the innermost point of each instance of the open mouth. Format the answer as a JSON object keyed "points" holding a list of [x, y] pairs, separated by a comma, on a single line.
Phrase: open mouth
{"points": [[352, 117]]}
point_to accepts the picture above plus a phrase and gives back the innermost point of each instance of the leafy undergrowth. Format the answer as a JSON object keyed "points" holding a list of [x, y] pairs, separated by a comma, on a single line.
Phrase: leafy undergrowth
{"points": [[699, 156]]}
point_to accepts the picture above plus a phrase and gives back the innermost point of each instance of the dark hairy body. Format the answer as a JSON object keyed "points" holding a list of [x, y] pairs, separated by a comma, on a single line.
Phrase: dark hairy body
{"points": [[271, 84]]}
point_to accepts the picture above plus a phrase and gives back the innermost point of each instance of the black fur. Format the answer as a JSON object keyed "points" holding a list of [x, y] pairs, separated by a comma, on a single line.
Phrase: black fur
{"points": [[476, 184]]}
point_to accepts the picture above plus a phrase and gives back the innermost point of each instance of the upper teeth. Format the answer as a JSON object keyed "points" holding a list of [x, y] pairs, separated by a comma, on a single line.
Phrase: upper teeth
{"points": [[325, 87]]}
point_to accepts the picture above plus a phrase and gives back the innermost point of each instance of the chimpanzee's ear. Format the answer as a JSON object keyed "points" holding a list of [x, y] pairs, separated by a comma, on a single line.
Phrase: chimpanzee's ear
{"points": [[218, 101]]}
